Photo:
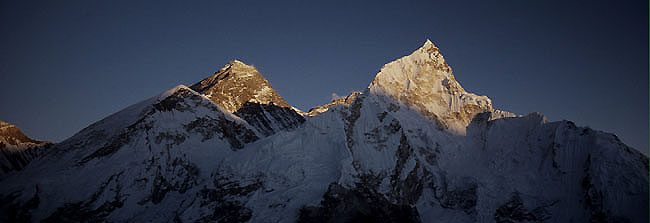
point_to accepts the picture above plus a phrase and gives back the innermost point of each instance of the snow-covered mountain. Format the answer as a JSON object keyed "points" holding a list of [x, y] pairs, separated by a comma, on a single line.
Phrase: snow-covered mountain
{"points": [[413, 147], [17, 149]]}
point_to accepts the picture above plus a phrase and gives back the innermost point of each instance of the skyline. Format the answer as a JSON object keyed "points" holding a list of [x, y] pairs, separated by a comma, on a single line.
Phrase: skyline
{"points": [[68, 66]]}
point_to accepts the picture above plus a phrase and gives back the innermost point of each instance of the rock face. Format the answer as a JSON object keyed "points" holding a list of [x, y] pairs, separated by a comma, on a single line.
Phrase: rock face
{"points": [[12, 138], [424, 81], [16, 149], [393, 153], [242, 90], [237, 83]]}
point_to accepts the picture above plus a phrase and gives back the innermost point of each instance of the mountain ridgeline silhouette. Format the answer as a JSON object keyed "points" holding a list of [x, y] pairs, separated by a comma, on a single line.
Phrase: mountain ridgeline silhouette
{"points": [[414, 146]]}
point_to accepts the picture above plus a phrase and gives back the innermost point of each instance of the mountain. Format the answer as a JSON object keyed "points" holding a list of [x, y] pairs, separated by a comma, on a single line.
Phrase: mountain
{"points": [[16, 149], [412, 147], [242, 90], [237, 83], [424, 82]]}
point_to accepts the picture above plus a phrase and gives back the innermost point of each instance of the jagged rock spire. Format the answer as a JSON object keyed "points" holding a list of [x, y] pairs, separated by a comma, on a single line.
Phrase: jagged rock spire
{"points": [[424, 81]]}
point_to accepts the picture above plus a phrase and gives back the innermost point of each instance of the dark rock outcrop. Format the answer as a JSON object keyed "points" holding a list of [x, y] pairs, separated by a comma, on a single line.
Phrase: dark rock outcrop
{"points": [[360, 204]]}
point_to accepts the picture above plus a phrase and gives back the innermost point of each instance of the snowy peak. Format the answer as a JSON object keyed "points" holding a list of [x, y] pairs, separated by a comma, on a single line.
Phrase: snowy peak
{"points": [[237, 83], [172, 117], [179, 106], [423, 81]]}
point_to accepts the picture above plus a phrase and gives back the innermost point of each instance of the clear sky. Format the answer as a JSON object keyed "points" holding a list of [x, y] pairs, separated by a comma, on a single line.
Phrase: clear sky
{"points": [[65, 65]]}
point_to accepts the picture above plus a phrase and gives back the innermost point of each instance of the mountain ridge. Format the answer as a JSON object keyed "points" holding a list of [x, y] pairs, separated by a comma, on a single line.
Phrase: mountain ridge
{"points": [[17, 149], [412, 147]]}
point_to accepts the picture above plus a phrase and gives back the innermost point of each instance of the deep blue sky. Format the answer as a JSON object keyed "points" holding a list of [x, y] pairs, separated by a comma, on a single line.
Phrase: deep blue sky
{"points": [[65, 65]]}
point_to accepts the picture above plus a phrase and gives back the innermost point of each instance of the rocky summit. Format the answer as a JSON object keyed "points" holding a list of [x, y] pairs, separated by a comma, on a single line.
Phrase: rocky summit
{"points": [[17, 149], [237, 83], [414, 146]]}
